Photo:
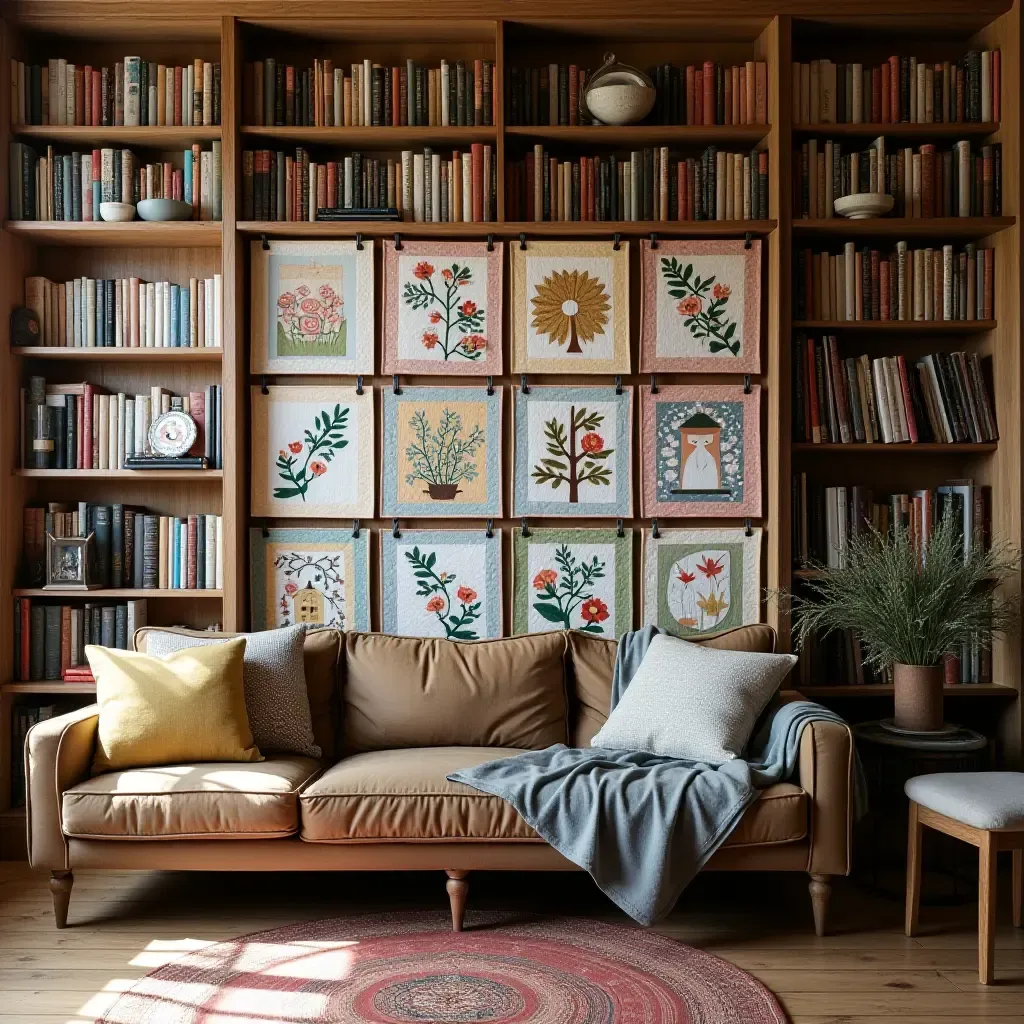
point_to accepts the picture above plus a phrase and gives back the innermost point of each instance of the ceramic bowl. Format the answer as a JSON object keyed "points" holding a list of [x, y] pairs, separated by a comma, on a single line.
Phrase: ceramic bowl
{"points": [[617, 103], [117, 212], [864, 205], [164, 209]]}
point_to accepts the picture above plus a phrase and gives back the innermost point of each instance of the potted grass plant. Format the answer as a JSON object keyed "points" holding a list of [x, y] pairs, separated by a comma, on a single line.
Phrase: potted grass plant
{"points": [[911, 606]]}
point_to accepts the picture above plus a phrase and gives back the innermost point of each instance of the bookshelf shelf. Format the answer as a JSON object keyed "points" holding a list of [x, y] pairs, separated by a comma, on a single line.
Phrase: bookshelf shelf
{"points": [[902, 227], [854, 690], [902, 130], [921, 448], [191, 475], [166, 137], [898, 326], [643, 134], [48, 686], [127, 355], [373, 137], [122, 592], [136, 233]]}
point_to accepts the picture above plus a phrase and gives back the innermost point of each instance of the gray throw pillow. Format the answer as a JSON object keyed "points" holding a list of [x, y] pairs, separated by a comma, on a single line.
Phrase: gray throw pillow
{"points": [[693, 702], [275, 685]]}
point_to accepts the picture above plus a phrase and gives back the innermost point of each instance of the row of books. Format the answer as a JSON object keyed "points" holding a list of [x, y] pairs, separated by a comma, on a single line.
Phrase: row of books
{"points": [[903, 284], [647, 185], [705, 94], [420, 186], [23, 717], [942, 398], [454, 94], [71, 186], [81, 426], [133, 92], [50, 639], [899, 89], [127, 312], [953, 183]]}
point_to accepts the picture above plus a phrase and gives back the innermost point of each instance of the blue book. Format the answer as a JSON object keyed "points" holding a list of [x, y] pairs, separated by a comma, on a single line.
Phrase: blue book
{"points": [[183, 551], [97, 198], [176, 557], [188, 175], [186, 326], [175, 340]]}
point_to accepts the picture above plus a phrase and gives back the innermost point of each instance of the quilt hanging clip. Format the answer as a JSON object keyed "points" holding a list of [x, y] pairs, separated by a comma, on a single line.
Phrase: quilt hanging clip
{"points": [[263, 384], [524, 527], [490, 243], [654, 240], [359, 384], [617, 242], [618, 384], [263, 529], [748, 239], [398, 240], [355, 529], [490, 528], [654, 383], [748, 529], [523, 385], [619, 529], [490, 385], [265, 243], [359, 240], [746, 384], [522, 240], [394, 385], [654, 529], [395, 531]]}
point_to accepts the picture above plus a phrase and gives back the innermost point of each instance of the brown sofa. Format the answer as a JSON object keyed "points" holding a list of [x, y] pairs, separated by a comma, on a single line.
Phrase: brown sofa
{"points": [[394, 716]]}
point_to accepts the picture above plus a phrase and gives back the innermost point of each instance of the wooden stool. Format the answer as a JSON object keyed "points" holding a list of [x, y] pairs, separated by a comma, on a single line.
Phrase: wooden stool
{"points": [[985, 809]]}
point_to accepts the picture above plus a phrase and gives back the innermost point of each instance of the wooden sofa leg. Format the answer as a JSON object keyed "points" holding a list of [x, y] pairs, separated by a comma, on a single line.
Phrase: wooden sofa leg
{"points": [[60, 889], [821, 889], [458, 890]]}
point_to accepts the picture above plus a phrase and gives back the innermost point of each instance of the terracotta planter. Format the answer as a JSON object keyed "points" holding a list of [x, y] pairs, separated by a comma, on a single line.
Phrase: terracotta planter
{"points": [[443, 492], [918, 697]]}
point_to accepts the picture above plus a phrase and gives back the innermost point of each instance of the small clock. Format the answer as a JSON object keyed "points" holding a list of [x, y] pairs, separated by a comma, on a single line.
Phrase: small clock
{"points": [[173, 434]]}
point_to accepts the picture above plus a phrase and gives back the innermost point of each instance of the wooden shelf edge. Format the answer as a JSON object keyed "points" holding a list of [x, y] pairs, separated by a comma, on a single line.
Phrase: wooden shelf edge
{"points": [[54, 686], [385, 135], [903, 448], [911, 227], [165, 136], [899, 326], [940, 129], [119, 354], [999, 690], [191, 475], [178, 234], [639, 134], [116, 593]]}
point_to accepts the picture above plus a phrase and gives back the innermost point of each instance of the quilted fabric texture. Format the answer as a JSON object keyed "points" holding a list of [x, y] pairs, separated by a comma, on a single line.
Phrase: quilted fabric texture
{"points": [[275, 685], [693, 702]]}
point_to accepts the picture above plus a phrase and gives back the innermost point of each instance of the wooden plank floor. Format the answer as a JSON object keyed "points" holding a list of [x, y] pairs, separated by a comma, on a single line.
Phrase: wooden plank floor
{"points": [[125, 924]]}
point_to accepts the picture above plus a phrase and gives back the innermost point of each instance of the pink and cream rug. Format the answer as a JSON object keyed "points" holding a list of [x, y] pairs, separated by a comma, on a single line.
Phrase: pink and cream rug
{"points": [[412, 969]]}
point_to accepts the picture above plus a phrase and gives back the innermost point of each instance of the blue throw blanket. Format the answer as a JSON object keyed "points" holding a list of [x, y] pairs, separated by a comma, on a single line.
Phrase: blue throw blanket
{"points": [[641, 824]]}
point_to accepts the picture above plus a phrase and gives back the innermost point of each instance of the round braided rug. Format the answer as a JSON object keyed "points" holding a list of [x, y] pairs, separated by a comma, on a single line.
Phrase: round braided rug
{"points": [[411, 968]]}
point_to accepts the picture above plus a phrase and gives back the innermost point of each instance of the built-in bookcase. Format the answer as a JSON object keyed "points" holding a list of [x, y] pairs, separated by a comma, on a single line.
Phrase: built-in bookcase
{"points": [[646, 34]]}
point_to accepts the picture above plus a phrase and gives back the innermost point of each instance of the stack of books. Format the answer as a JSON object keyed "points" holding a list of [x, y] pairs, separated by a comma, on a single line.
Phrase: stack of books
{"points": [[23, 717], [127, 312], [706, 94], [370, 94], [942, 398], [933, 283], [422, 186], [648, 184], [133, 92], [71, 186], [82, 426], [900, 89]]}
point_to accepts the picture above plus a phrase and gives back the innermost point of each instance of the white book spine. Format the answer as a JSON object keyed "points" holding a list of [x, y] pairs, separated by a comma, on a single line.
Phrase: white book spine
{"points": [[445, 115], [467, 190], [210, 573], [417, 175], [117, 440], [158, 315], [129, 426], [366, 92], [435, 187], [220, 553], [218, 310]]}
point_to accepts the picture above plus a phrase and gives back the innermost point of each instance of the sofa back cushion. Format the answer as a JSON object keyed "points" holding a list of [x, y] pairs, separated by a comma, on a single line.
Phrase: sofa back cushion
{"points": [[425, 692], [592, 664], [321, 650]]}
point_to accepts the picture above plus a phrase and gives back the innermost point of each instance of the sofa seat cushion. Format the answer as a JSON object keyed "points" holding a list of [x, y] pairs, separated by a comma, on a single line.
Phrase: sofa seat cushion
{"points": [[193, 801], [403, 795], [778, 815]]}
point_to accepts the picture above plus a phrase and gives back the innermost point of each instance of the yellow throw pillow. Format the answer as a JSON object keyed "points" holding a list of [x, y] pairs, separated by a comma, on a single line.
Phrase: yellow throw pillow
{"points": [[187, 707]]}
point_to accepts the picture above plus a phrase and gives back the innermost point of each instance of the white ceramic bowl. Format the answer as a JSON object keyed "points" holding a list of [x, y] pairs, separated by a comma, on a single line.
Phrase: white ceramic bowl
{"points": [[864, 205], [617, 103], [117, 212], [164, 209]]}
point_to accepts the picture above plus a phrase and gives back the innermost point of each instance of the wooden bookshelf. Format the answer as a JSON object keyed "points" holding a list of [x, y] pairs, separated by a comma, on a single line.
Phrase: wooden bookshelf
{"points": [[853, 691], [527, 34]]}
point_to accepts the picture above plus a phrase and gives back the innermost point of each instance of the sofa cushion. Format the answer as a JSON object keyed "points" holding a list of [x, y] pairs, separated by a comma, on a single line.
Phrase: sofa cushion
{"points": [[404, 795], [321, 650], [778, 815], [592, 663], [426, 692], [194, 801]]}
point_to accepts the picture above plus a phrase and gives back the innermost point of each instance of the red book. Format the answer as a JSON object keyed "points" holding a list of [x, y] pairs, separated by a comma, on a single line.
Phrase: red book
{"points": [[908, 405], [950, 669], [708, 97], [193, 548], [884, 88], [86, 432], [895, 114], [97, 106], [79, 96], [690, 95], [168, 182], [25, 656], [177, 95], [996, 69], [85, 91], [574, 94], [477, 156], [396, 95]]}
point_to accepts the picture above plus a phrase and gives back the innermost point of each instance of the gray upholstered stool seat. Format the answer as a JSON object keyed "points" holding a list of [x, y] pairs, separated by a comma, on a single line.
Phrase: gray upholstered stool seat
{"points": [[989, 800]]}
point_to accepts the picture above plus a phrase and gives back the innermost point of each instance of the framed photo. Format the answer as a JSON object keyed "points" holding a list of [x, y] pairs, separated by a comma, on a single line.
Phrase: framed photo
{"points": [[442, 308], [71, 563], [570, 307], [701, 451], [443, 583], [572, 451], [312, 307], [701, 581], [314, 576], [701, 307], [312, 452], [443, 450], [572, 579]]}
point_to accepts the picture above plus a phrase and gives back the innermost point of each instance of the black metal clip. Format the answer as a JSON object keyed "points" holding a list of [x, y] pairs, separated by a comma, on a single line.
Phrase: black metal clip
{"points": [[654, 529], [654, 240], [490, 385], [359, 384], [394, 384], [654, 383], [263, 384], [522, 240], [490, 528], [398, 240], [523, 385], [748, 529], [395, 531], [525, 528], [355, 529], [748, 239], [746, 384], [490, 243], [618, 384], [617, 243], [263, 529], [265, 243], [619, 529], [359, 241]]}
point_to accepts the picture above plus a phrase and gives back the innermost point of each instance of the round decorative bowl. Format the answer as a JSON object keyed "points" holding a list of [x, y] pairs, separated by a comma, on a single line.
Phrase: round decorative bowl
{"points": [[117, 212], [620, 102], [164, 209], [864, 205]]}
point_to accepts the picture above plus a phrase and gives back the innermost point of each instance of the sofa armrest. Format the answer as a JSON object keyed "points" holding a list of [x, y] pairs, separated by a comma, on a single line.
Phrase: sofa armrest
{"points": [[58, 755], [826, 774]]}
